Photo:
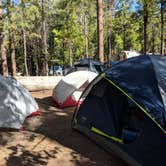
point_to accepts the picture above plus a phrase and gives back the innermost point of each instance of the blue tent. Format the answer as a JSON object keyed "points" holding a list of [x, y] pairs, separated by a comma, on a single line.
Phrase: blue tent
{"points": [[89, 64], [124, 110]]}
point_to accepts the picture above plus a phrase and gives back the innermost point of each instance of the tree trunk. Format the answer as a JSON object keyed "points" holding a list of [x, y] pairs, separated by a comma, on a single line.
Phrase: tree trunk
{"points": [[86, 37], [2, 44], [44, 40], [145, 27], [109, 56], [162, 29], [12, 55], [25, 53], [24, 40], [70, 57], [100, 30], [153, 39], [110, 10], [38, 67], [11, 42], [124, 37], [3, 58]]}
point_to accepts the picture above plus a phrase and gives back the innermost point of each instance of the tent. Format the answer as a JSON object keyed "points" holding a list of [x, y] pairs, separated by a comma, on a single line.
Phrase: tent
{"points": [[89, 64], [86, 64], [124, 110], [16, 103], [69, 89]]}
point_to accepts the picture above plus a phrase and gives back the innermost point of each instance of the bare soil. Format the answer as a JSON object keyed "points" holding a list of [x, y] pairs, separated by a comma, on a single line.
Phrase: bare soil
{"points": [[49, 140]]}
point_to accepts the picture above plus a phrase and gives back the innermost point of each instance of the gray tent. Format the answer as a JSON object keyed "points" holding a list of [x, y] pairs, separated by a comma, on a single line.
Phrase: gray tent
{"points": [[16, 103]]}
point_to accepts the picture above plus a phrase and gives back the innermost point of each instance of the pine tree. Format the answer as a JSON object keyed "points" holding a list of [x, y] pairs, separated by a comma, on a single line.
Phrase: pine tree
{"points": [[11, 39], [2, 44], [100, 30]]}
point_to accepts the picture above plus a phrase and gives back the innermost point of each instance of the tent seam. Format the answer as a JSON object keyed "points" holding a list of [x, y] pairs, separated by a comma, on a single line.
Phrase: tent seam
{"points": [[103, 75]]}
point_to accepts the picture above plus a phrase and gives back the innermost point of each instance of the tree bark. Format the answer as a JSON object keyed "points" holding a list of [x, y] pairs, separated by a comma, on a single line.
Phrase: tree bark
{"points": [[111, 13], [86, 36], [162, 29], [109, 56], [11, 42], [110, 4], [24, 40], [25, 52], [3, 58], [100, 30], [124, 37], [12, 55], [145, 26], [153, 39], [2, 44], [44, 39], [70, 57]]}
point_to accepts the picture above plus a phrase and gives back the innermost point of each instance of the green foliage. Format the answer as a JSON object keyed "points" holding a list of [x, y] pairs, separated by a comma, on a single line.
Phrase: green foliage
{"points": [[71, 28]]}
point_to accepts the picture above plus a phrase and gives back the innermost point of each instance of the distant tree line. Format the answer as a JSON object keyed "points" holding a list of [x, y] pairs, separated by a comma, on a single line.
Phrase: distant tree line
{"points": [[35, 34]]}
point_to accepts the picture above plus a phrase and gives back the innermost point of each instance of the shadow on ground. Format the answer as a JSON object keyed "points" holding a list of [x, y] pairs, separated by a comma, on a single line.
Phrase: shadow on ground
{"points": [[20, 156], [56, 124], [49, 140]]}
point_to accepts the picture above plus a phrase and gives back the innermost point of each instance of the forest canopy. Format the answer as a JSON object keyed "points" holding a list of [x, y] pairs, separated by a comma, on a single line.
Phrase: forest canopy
{"points": [[36, 33]]}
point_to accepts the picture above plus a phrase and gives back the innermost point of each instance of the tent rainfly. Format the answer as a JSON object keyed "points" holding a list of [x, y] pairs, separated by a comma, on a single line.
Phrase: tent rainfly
{"points": [[69, 89], [16, 103], [124, 110], [86, 64]]}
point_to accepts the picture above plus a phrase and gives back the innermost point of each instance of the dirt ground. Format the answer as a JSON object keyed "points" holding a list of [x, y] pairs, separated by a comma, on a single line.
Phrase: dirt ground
{"points": [[49, 140]]}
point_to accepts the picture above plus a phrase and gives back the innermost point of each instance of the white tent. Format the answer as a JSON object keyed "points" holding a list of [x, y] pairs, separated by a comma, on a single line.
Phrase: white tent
{"points": [[16, 103], [67, 92]]}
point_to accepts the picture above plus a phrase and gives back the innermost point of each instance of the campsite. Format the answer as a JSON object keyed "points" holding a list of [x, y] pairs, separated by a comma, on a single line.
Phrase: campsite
{"points": [[123, 121], [82, 82]]}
